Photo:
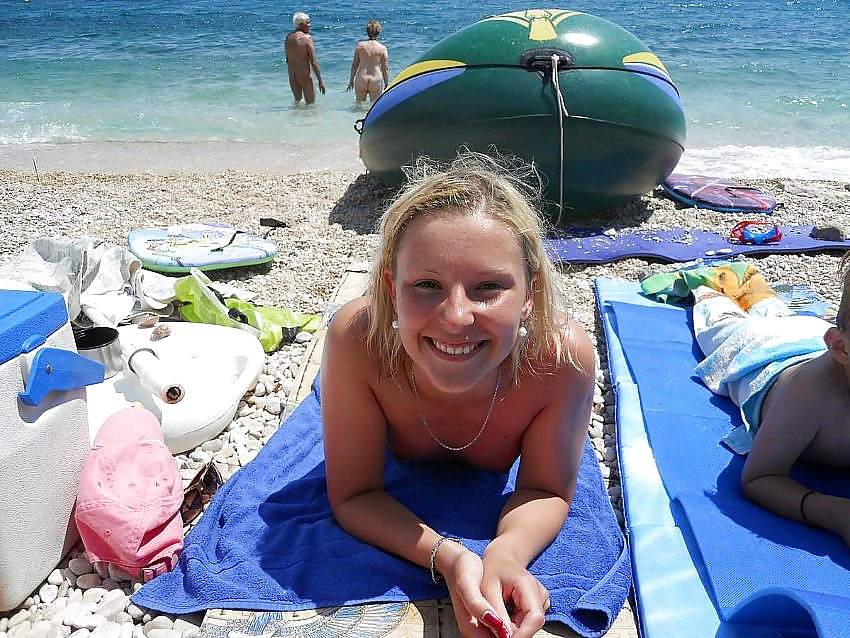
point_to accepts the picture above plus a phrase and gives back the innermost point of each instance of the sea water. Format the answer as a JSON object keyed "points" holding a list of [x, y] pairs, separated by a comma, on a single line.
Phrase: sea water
{"points": [[765, 83]]}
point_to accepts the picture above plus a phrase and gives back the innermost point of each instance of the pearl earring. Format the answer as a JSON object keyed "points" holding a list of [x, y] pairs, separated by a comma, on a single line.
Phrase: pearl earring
{"points": [[395, 324], [522, 332]]}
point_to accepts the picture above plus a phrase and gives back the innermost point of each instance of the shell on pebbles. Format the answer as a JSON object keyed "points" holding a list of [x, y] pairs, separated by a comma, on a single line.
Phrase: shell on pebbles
{"points": [[160, 332], [147, 320]]}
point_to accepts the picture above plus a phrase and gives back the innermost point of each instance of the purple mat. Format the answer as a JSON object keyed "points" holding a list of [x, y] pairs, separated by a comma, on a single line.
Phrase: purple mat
{"points": [[590, 246]]}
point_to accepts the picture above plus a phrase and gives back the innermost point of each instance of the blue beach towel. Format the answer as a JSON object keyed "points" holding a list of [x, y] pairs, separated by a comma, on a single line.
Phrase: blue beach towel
{"points": [[268, 540], [703, 554]]}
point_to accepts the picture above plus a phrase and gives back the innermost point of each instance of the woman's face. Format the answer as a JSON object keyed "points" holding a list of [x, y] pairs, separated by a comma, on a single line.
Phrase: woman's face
{"points": [[460, 294]]}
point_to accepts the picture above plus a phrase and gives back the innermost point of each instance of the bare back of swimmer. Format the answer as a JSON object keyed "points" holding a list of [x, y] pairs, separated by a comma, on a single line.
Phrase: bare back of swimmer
{"points": [[300, 59], [370, 66]]}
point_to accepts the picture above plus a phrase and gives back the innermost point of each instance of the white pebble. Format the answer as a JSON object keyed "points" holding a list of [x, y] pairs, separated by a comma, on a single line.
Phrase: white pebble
{"points": [[48, 593], [273, 405], [85, 621], [56, 577], [93, 594], [109, 607], [21, 630], [185, 628], [213, 445], [107, 630], [160, 622], [18, 618], [135, 612]]}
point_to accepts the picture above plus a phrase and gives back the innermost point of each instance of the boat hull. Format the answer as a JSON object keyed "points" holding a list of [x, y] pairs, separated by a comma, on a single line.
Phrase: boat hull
{"points": [[622, 133]]}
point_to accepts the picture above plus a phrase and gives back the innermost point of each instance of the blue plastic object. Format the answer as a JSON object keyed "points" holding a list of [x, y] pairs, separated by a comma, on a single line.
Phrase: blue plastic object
{"points": [[57, 369], [27, 319], [25, 314]]}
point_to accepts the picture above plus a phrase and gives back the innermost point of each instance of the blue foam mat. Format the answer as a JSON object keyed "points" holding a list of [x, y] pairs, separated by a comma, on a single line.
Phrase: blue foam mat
{"points": [[592, 246], [702, 554]]}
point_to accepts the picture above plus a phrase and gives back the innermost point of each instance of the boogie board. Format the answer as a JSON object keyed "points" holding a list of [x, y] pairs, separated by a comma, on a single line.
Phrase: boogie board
{"points": [[203, 245], [717, 193]]}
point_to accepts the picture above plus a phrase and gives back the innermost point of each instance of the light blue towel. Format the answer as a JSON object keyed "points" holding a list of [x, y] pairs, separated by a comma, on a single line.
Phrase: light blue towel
{"points": [[269, 541], [749, 360]]}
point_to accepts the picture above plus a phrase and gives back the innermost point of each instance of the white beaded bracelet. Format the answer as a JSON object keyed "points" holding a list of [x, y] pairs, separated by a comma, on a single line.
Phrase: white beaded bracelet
{"points": [[435, 576]]}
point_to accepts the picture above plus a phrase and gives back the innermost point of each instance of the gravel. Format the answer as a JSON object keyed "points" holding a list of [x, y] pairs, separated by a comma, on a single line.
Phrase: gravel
{"points": [[330, 219]]}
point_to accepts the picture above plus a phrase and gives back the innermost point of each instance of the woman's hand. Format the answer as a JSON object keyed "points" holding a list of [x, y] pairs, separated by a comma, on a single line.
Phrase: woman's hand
{"points": [[475, 616], [498, 598], [515, 594]]}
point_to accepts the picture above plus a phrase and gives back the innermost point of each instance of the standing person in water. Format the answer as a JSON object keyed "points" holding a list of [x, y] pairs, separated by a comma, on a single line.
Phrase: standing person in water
{"points": [[370, 66], [300, 58], [461, 352]]}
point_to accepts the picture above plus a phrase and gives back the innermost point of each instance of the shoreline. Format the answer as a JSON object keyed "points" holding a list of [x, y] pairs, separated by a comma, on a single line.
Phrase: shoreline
{"points": [[161, 158], [743, 163]]}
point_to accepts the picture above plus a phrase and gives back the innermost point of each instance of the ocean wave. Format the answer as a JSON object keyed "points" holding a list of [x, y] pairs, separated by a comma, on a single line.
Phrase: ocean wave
{"points": [[802, 162]]}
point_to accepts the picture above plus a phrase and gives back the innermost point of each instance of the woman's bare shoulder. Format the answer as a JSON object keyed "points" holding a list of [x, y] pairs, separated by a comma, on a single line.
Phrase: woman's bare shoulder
{"points": [[352, 316], [579, 355], [345, 343]]}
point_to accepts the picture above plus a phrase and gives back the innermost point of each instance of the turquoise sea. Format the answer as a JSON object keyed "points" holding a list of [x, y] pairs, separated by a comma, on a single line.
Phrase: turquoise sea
{"points": [[765, 83]]}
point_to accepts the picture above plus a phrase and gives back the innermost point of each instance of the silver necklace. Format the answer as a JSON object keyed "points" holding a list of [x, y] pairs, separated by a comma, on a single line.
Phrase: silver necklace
{"points": [[483, 425]]}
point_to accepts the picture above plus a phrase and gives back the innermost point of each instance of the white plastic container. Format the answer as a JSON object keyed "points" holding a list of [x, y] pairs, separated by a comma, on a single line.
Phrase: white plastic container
{"points": [[44, 438]]}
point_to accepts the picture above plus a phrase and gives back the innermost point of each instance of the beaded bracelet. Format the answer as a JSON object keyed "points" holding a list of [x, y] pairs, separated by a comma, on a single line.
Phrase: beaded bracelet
{"points": [[435, 576], [802, 503]]}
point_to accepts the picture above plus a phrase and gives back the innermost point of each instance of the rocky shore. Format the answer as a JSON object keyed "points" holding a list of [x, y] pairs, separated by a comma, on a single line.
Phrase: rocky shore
{"points": [[330, 219]]}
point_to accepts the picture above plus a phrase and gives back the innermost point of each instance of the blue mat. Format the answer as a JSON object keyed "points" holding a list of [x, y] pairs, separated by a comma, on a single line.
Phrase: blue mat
{"points": [[268, 540], [706, 560], [592, 246]]}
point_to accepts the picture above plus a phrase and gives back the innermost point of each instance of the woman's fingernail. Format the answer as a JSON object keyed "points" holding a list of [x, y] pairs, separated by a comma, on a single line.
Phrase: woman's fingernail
{"points": [[496, 624]]}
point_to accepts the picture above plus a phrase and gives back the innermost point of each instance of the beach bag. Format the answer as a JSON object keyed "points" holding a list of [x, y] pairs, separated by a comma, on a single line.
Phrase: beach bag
{"points": [[128, 504]]}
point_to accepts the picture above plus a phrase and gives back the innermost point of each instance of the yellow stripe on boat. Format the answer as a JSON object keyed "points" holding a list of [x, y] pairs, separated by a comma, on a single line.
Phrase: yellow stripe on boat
{"points": [[424, 67]]}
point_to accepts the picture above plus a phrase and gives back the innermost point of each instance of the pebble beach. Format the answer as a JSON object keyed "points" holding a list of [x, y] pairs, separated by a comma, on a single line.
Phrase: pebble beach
{"points": [[330, 218]]}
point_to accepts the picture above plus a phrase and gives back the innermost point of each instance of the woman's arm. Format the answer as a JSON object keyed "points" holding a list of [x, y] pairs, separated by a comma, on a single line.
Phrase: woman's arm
{"points": [[552, 450], [355, 440], [385, 67], [355, 64]]}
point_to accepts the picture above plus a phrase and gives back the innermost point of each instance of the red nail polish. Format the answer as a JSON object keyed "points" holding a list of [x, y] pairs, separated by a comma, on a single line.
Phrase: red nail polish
{"points": [[496, 624]]}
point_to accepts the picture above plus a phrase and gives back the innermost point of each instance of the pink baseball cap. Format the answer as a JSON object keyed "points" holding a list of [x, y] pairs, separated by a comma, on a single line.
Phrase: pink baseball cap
{"points": [[128, 504]]}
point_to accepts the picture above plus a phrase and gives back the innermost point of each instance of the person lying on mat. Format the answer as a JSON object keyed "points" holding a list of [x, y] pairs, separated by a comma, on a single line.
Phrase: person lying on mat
{"points": [[462, 351], [790, 375]]}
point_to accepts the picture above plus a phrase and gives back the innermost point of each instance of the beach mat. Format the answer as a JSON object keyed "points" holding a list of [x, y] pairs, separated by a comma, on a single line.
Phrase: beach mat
{"points": [[703, 555], [269, 541], [592, 246]]}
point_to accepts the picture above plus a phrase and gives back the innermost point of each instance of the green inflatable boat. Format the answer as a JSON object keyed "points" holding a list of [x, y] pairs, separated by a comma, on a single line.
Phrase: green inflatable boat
{"points": [[581, 97]]}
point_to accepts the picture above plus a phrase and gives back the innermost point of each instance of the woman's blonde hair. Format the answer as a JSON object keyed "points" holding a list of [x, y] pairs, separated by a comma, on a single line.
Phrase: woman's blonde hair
{"points": [[373, 29], [505, 189]]}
